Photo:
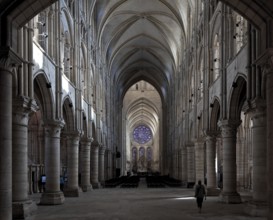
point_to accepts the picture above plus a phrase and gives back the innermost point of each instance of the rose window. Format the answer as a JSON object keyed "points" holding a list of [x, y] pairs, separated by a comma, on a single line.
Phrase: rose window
{"points": [[142, 134]]}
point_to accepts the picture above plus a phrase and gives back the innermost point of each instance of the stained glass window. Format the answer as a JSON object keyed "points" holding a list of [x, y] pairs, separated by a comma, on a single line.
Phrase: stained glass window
{"points": [[142, 134]]}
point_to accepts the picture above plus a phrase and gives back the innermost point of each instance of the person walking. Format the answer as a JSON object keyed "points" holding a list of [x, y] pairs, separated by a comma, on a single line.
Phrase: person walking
{"points": [[200, 194]]}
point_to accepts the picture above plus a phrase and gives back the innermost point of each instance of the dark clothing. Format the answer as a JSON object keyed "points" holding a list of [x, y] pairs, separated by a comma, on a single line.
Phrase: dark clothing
{"points": [[200, 193], [199, 202]]}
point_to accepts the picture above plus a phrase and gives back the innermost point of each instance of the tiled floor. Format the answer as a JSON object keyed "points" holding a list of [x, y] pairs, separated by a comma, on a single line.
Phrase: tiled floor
{"points": [[140, 204]]}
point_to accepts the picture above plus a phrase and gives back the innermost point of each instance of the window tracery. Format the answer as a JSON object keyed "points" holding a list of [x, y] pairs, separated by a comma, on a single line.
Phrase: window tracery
{"points": [[142, 134]]}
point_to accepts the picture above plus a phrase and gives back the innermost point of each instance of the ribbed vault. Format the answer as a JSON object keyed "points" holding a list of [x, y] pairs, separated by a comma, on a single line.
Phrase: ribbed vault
{"points": [[142, 40]]}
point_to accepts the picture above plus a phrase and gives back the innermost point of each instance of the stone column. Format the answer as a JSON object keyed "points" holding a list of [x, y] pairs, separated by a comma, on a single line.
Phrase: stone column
{"points": [[95, 164], [269, 128], [180, 164], [72, 187], [184, 164], [85, 160], [266, 63], [110, 164], [22, 206], [52, 195], [101, 165], [211, 171], [199, 161], [229, 131], [190, 164], [258, 206], [7, 61]]}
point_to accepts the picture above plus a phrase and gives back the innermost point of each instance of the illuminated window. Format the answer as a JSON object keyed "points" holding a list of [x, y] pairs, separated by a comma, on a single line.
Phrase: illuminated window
{"points": [[142, 134]]}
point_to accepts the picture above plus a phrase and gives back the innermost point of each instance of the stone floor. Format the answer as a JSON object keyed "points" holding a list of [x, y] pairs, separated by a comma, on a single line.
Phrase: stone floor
{"points": [[140, 204]]}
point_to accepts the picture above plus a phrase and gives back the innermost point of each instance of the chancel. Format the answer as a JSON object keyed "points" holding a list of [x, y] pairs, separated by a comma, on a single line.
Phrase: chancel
{"points": [[108, 102]]}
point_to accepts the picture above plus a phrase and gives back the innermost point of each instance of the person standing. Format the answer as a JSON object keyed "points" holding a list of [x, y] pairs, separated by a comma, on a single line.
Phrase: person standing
{"points": [[200, 194]]}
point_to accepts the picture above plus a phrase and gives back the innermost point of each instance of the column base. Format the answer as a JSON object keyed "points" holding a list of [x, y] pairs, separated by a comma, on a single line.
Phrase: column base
{"points": [[24, 209], [230, 198], [72, 192], [257, 209], [213, 192], [96, 185], [87, 188], [52, 198]]}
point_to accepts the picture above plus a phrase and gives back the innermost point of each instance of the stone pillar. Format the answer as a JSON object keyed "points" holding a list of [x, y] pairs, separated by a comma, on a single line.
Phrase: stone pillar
{"points": [[101, 165], [229, 131], [184, 165], [72, 187], [95, 164], [85, 160], [211, 171], [199, 161], [109, 164], [52, 194], [190, 164], [266, 63], [7, 61], [180, 164], [258, 206], [22, 206], [269, 116]]}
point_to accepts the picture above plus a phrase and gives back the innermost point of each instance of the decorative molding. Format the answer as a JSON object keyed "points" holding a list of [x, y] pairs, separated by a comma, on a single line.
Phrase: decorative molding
{"points": [[9, 59], [265, 61]]}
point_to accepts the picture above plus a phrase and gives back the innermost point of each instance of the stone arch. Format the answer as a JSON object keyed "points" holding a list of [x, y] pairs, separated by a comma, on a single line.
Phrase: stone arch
{"points": [[68, 114], [200, 125], [237, 98], [94, 132], [85, 125], [215, 114], [44, 95]]}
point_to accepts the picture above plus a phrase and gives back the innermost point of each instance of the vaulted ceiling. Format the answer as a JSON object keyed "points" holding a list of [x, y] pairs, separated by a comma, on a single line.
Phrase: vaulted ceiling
{"points": [[142, 40]]}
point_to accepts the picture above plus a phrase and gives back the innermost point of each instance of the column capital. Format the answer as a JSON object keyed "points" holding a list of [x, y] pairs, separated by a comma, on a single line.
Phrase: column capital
{"points": [[265, 61], [21, 108], [86, 141], [9, 59], [24, 104], [53, 128], [211, 133], [95, 145], [211, 139], [256, 105], [72, 134], [229, 127], [102, 150]]}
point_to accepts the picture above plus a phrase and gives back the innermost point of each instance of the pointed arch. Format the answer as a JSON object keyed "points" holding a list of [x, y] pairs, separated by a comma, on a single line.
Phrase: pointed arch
{"points": [[237, 97], [215, 114], [44, 95], [68, 114]]}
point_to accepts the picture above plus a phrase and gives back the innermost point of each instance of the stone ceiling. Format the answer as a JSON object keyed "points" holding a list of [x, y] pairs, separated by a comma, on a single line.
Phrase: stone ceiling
{"points": [[142, 39]]}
